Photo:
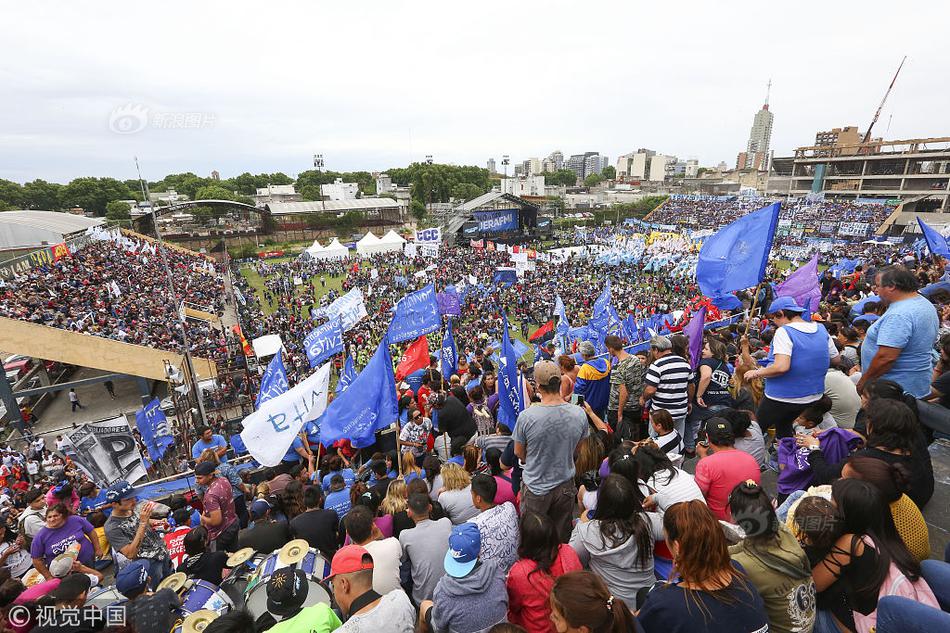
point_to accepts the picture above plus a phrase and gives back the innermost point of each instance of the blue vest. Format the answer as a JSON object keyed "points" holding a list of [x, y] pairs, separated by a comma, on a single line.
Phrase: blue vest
{"points": [[810, 361]]}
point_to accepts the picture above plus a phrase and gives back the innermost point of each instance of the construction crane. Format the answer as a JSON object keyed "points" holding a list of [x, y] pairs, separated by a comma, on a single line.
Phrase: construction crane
{"points": [[867, 135]]}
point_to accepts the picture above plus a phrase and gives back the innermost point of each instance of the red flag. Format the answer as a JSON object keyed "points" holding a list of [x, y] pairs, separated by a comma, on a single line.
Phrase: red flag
{"points": [[416, 357], [541, 331]]}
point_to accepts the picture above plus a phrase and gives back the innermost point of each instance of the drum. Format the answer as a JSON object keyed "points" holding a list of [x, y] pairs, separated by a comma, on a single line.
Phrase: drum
{"points": [[235, 585], [314, 565], [201, 594]]}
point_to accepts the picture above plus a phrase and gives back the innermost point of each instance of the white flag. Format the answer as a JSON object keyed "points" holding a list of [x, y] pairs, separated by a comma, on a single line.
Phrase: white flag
{"points": [[269, 431], [114, 288]]}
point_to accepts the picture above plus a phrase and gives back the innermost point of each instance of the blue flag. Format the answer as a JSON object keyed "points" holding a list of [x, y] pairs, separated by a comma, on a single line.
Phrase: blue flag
{"points": [[347, 376], [449, 352], [449, 302], [153, 426], [274, 381], [505, 277], [736, 255], [630, 328], [324, 341], [510, 395], [415, 315], [935, 242], [368, 405]]}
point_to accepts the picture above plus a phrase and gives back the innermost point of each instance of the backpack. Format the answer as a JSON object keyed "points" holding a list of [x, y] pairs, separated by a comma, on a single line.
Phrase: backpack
{"points": [[895, 584], [484, 421]]}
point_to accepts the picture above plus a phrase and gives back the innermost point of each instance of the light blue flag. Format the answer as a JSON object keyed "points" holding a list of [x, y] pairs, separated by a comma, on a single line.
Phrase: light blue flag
{"points": [[323, 342], [347, 376], [368, 404], [153, 425], [449, 352], [563, 325], [510, 394], [274, 381], [415, 315], [935, 242], [736, 255]]}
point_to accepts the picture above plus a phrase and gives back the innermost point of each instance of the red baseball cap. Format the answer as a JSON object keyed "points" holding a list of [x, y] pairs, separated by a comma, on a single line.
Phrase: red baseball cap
{"points": [[350, 559]]}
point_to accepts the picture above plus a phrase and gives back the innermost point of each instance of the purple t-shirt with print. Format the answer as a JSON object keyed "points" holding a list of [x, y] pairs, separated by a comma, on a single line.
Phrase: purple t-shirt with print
{"points": [[48, 544]]}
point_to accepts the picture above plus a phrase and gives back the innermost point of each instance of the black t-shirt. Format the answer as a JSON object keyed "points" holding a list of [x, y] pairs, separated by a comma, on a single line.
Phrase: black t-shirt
{"points": [[153, 614], [319, 528], [207, 566], [455, 419], [264, 537], [942, 384], [717, 391], [669, 609]]}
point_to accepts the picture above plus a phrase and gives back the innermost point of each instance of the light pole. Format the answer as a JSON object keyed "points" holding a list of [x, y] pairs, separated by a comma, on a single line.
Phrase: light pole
{"points": [[171, 294], [505, 160]]}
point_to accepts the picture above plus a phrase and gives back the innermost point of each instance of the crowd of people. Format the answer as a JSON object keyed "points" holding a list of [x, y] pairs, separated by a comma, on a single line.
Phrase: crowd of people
{"points": [[770, 477]]}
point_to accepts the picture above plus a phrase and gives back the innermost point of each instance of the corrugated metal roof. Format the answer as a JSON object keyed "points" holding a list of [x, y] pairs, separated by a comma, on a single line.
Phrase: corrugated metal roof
{"points": [[64, 223], [474, 203], [332, 206]]}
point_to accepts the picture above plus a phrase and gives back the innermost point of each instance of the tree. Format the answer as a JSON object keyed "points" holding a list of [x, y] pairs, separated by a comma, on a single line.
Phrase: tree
{"points": [[593, 180], [118, 210], [563, 177], [466, 191], [217, 192], [703, 170], [418, 210], [92, 194], [40, 194], [11, 195], [610, 172]]}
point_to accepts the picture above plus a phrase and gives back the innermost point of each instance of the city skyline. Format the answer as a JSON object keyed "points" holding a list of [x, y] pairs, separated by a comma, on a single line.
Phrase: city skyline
{"points": [[298, 85]]}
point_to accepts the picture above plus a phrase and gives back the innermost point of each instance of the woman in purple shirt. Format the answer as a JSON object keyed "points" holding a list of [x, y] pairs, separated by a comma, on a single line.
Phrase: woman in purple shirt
{"points": [[62, 531]]}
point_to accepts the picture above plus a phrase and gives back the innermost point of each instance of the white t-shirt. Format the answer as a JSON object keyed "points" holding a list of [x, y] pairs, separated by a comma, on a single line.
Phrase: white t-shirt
{"points": [[393, 614], [32, 467], [386, 555], [669, 490], [782, 344]]}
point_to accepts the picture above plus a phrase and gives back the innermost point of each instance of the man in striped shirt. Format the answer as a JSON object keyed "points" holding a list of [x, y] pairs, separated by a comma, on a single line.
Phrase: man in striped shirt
{"points": [[667, 383]]}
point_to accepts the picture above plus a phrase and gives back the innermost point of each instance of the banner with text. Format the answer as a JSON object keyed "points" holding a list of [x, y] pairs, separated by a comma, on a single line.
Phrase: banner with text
{"points": [[106, 451], [497, 221]]}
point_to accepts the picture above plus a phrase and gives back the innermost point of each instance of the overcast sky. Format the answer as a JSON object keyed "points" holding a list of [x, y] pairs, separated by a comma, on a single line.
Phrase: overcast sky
{"points": [[241, 86]]}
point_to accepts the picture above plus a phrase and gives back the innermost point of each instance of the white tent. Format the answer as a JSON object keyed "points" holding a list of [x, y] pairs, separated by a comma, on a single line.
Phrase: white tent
{"points": [[391, 242], [335, 250], [313, 251], [369, 244]]}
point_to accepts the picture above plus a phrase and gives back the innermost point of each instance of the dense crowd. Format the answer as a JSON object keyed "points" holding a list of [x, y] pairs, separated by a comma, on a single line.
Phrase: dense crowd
{"points": [[770, 477], [111, 292]]}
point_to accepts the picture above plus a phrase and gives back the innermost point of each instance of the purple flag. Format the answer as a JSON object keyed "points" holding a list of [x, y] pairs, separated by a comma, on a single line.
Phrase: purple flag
{"points": [[449, 302], [694, 330], [802, 286]]}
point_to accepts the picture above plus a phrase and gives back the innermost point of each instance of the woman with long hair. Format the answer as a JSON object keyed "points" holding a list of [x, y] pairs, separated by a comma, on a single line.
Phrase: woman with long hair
{"points": [[617, 543], [396, 499], [773, 560], [502, 474], [867, 554], [291, 500], [891, 480], [893, 435], [665, 483], [456, 493], [582, 603], [710, 591], [569, 371], [409, 470], [541, 559]]}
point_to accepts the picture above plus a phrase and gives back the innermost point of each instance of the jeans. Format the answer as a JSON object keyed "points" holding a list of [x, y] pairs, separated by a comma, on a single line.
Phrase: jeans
{"points": [[895, 613], [694, 421], [826, 623], [937, 575], [782, 511], [158, 570]]}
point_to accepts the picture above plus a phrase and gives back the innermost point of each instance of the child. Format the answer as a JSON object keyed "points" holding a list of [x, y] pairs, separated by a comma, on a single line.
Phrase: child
{"points": [[98, 521], [815, 418], [668, 439], [816, 525]]}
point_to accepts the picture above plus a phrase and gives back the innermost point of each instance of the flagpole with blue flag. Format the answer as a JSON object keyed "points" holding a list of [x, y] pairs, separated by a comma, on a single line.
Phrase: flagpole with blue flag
{"points": [[511, 397], [274, 381], [347, 376], [449, 352], [563, 325], [936, 242], [735, 257]]}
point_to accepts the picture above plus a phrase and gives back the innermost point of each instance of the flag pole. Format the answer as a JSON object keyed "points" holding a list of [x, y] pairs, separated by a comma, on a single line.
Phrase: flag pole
{"points": [[398, 448], [755, 300]]}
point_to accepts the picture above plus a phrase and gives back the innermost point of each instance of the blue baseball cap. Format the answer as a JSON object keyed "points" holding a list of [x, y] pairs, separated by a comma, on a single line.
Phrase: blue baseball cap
{"points": [[133, 578], [119, 490], [784, 303], [464, 545]]}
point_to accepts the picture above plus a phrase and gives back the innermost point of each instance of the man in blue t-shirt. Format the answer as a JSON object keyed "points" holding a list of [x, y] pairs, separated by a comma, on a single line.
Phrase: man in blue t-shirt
{"points": [[208, 439], [899, 345]]}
